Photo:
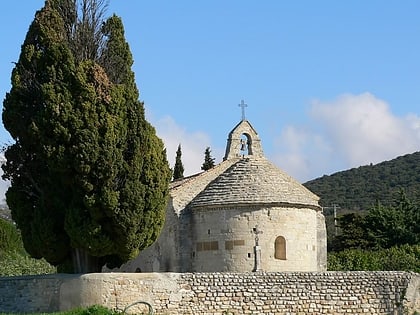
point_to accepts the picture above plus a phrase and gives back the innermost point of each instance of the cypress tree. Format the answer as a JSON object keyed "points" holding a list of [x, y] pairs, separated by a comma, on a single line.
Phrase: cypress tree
{"points": [[89, 177], [208, 160], [179, 167], [41, 90]]}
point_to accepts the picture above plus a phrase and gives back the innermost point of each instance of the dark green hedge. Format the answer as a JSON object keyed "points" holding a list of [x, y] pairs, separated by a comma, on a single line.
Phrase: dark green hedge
{"points": [[398, 258]]}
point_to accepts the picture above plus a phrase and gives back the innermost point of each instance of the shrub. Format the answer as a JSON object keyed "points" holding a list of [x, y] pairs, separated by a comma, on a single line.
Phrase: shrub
{"points": [[401, 258], [17, 264], [91, 310], [10, 239], [14, 261]]}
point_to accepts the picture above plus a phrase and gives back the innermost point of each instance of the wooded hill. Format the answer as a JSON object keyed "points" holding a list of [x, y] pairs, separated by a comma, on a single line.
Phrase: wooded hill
{"points": [[359, 188]]}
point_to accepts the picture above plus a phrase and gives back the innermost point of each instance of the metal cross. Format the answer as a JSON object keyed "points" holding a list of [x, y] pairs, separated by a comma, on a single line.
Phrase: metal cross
{"points": [[243, 105]]}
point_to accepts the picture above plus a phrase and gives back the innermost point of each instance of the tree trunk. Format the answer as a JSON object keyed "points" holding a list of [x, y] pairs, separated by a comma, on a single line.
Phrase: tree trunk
{"points": [[83, 262]]}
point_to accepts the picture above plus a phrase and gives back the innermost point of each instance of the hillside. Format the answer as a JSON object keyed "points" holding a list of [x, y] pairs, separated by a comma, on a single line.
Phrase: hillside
{"points": [[359, 188]]}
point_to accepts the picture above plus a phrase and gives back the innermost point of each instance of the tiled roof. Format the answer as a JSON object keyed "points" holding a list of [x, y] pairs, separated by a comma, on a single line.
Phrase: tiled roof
{"points": [[254, 180]]}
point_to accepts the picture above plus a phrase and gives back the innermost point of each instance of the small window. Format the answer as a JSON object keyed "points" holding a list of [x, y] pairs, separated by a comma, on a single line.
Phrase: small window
{"points": [[280, 248]]}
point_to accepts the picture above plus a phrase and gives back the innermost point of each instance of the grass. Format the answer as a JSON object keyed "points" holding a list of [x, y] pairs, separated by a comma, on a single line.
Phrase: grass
{"points": [[92, 310]]}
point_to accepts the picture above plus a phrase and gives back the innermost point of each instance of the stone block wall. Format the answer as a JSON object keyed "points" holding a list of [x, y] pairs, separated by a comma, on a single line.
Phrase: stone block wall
{"points": [[301, 293], [218, 293]]}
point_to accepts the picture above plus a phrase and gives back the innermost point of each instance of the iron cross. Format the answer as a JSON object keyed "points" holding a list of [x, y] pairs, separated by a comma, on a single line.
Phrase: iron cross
{"points": [[243, 105]]}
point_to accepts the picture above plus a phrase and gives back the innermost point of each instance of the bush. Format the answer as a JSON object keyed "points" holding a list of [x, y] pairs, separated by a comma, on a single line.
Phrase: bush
{"points": [[92, 310], [14, 260], [17, 264], [401, 258], [10, 239]]}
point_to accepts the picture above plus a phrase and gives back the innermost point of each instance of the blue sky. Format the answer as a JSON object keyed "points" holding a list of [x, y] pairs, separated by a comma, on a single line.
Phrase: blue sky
{"points": [[330, 85]]}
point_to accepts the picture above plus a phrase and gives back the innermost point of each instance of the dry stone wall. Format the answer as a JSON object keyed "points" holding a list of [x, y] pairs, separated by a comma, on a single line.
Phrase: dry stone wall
{"points": [[218, 293]]}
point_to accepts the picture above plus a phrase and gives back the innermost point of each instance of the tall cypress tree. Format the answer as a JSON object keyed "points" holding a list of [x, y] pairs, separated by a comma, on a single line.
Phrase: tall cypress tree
{"points": [[208, 160], [42, 81], [89, 177], [179, 167]]}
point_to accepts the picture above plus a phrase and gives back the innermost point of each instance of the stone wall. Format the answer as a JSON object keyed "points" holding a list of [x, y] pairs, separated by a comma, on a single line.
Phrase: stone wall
{"points": [[218, 293]]}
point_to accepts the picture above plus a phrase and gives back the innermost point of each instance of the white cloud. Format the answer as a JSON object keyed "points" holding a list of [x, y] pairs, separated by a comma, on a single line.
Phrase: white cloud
{"points": [[413, 122], [301, 153], [351, 131], [363, 130], [193, 144]]}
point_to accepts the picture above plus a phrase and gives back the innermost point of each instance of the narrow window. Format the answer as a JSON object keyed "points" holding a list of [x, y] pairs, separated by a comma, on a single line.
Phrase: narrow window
{"points": [[280, 248]]}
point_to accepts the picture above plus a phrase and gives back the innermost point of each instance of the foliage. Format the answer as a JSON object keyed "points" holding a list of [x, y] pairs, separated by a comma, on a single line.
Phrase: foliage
{"points": [[10, 239], [179, 167], [381, 227], [91, 310], [359, 188], [14, 260], [89, 177], [394, 225], [352, 233], [208, 160], [401, 258], [17, 264]]}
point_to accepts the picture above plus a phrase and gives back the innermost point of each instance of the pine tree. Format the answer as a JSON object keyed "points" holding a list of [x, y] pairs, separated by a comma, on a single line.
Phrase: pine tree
{"points": [[208, 160], [89, 177], [179, 167]]}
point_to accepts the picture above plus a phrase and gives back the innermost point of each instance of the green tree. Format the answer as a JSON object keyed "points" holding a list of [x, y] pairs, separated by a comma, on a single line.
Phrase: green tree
{"points": [[179, 167], [208, 160], [89, 177], [396, 224], [382, 227], [352, 233]]}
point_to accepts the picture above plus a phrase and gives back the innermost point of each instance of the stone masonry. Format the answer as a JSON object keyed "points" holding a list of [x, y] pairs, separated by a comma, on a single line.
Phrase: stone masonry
{"points": [[218, 293]]}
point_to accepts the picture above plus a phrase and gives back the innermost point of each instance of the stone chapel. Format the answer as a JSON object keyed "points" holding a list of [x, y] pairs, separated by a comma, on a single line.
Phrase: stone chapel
{"points": [[243, 215]]}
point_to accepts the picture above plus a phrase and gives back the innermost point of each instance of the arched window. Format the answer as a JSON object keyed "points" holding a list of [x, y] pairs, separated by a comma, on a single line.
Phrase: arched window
{"points": [[280, 248]]}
